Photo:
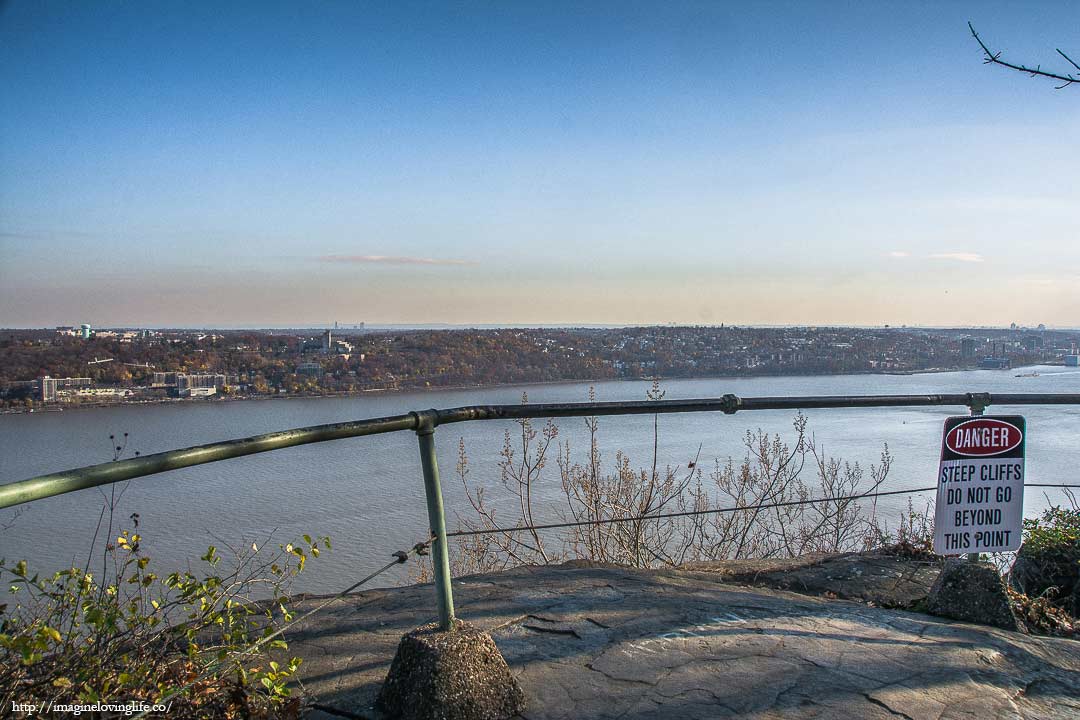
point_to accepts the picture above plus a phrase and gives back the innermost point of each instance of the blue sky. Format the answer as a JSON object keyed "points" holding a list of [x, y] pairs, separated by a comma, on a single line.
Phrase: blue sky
{"points": [[521, 163]]}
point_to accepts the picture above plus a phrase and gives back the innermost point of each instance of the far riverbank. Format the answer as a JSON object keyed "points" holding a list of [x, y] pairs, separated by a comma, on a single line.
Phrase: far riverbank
{"points": [[223, 398]]}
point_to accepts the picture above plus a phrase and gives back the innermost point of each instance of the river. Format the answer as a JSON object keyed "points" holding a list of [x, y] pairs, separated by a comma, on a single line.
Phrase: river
{"points": [[367, 493]]}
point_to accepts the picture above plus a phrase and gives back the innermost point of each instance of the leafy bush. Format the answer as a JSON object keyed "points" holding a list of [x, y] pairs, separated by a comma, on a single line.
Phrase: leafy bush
{"points": [[196, 641], [1048, 563], [1055, 535]]}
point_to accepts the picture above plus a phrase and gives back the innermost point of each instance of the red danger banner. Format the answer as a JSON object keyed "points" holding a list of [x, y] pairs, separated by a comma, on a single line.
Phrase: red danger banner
{"points": [[983, 437]]}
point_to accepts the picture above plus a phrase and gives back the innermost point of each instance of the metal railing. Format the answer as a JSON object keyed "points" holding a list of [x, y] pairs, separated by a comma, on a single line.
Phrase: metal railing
{"points": [[424, 423]]}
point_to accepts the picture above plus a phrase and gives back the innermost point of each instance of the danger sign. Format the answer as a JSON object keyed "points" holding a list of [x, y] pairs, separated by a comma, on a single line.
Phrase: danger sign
{"points": [[980, 495]]}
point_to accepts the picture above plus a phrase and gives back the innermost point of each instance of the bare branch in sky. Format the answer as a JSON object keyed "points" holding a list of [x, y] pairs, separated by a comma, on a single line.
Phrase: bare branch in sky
{"points": [[990, 57]]}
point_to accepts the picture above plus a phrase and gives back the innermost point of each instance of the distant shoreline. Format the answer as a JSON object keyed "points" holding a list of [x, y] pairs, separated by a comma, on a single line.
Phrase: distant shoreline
{"points": [[63, 407]]}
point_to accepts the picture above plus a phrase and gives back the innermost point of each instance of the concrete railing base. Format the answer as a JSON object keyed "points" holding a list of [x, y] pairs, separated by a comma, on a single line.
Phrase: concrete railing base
{"points": [[971, 592], [458, 674]]}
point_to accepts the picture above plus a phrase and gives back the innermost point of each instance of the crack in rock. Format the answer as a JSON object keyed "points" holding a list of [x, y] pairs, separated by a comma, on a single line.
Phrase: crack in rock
{"points": [[879, 703], [589, 666], [551, 630]]}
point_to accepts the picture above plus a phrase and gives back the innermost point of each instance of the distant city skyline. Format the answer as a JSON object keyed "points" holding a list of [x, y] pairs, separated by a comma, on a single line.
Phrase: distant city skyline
{"points": [[611, 164], [385, 327]]}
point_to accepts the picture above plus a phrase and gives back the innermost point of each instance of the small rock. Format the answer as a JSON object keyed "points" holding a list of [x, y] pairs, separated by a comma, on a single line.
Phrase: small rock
{"points": [[973, 592], [450, 675]]}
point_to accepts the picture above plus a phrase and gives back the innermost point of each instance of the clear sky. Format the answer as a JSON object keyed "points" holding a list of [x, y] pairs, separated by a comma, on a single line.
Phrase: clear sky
{"points": [[264, 163]]}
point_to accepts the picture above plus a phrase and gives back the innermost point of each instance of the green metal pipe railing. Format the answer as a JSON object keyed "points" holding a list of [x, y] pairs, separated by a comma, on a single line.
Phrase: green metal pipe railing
{"points": [[440, 555], [59, 483], [424, 424]]}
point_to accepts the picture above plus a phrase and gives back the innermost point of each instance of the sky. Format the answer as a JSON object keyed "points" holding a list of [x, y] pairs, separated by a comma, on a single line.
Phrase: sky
{"points": [[295, 164]]}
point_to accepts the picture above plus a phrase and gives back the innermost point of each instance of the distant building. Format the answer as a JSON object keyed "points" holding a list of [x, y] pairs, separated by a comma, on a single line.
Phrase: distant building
{"points": [[202, 380], [165, 379], [202, 384], [994, 363], [84, 331], [313, 369], [190, 385], [51, 387], [113, 393], [967, 348], [48, 389], [124, 336]]}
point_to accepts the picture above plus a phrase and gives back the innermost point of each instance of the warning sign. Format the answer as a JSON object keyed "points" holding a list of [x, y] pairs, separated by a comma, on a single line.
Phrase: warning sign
{"points": [[980, 492]]}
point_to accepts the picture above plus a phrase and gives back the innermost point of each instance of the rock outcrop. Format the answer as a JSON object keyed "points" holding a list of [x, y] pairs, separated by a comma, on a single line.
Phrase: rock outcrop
{"points": [[608, 642]]}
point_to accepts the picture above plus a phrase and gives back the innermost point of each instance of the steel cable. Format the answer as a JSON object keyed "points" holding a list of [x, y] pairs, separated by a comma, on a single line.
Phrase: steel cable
{"points": [[714, 511]]}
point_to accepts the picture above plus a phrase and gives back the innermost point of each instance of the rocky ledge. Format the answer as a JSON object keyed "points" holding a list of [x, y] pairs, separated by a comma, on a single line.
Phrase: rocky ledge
{"points": [[595, 641]]}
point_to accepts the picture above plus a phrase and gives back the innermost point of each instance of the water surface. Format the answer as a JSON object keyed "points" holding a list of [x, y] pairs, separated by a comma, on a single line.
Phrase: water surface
{"points": [[367, 493]]}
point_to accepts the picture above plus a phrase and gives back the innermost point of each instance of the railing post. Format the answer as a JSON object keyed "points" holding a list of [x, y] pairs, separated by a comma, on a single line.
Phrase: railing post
{"points": [[440, 558], [977, 402]]}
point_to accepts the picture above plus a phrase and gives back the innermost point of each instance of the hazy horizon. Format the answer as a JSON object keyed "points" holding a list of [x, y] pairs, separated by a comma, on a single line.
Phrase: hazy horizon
{"points": [[614, 164], [373, 327]]}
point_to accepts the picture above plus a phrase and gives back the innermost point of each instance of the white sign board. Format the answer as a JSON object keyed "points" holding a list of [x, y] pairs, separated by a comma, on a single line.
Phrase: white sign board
{"points": [[980, 495]]}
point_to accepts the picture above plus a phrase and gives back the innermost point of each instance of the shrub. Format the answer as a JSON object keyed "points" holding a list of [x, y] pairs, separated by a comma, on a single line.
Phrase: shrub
{"points": [[914, 537], [1048, 563], [194, 640], [656, 516]]}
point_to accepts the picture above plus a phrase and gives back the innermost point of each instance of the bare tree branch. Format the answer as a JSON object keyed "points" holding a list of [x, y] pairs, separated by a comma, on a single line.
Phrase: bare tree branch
{"points": [[990, 57]]}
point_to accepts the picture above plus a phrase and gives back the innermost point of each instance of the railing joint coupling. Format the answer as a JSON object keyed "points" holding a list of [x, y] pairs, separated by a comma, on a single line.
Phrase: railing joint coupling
{"points": [[978, 402], [426, 420]]}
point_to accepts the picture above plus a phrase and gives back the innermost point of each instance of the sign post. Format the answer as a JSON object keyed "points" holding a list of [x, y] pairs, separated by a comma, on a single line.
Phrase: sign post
{"points": [[980, 495]]}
